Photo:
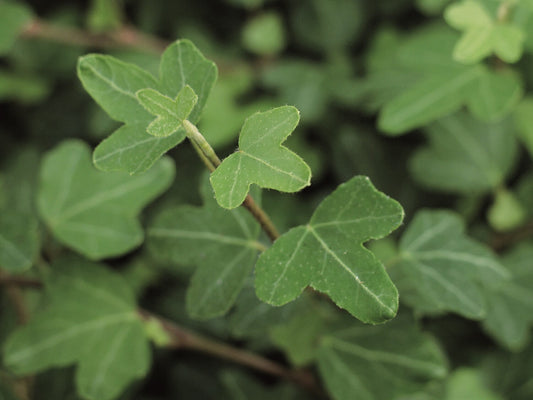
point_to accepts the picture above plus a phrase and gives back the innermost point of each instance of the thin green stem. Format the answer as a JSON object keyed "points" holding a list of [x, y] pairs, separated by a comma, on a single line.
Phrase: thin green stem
{"points": [[211, 160]]}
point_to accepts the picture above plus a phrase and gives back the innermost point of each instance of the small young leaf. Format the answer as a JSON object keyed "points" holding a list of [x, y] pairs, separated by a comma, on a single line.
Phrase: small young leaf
{"points": [[379, 362], [467, 383], [19, 240], [261, 159], [464, 155], [328, 254], [445, 268], [506, 212], [468, 14], [114, 84], [510, 305], [91, 211], [223, 244], [170, 113], [91, 320], [13, 17]]}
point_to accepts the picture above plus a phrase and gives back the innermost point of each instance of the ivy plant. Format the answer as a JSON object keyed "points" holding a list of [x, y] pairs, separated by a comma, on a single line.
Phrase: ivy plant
{"points": [[289, 200]]}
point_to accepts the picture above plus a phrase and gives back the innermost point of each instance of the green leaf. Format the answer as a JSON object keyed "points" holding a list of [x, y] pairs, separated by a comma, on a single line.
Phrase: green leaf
{"points": [[506, 212], [261, 159], [467, 383], [91, 321], [495, 95], [510, 305], [114, 84], [91, 211], [435, 96], [444, 268], [264, 34], [508, 42], [13, 18], [379, 362], [170, 113], [19, 240], [223, 244], [467, 14], [328, 254], [465, 156], [523, 119]]}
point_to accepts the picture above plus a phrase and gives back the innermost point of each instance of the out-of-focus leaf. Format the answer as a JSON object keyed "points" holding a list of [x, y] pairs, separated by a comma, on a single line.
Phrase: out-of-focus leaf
{"points": [[19, 240], [91, 320], [506, 212], [465, 155], [13, 17], [523, 119], [466, 383], [264, 34], [23, 88], [92, 211]]}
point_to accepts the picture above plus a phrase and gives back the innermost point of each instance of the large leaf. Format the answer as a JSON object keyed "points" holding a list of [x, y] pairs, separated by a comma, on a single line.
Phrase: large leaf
{"points": [[464, 155], [91, 211], [223, 244], [261, 159], [510, 305], [443, 269], [90, 321], [19, 240], [328, 254], [113, 84], [379, 362]]}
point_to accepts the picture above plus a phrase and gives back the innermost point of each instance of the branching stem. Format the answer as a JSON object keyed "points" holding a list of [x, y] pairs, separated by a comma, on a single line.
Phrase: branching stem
{"points": [[211, 160]]}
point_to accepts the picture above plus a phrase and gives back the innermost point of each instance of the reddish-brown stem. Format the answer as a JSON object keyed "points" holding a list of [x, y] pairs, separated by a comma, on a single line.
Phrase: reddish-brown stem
{"points": [[502, 240]]}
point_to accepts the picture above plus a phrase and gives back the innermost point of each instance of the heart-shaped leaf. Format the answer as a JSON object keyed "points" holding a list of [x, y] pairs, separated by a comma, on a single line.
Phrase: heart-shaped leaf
{"points": [[261, 159]]}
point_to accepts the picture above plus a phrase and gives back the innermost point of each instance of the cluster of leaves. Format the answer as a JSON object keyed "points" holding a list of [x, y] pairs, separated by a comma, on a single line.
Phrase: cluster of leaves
{"points": [[100, 175]]}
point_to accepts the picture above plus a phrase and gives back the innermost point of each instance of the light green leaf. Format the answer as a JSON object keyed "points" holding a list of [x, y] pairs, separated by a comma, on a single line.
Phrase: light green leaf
{"points": [[495, 95], [261, 159], [474, 45], [379, 362], [223, 244], [467, 14], [328, 254], [506, 212], [467, 383], [444, 267], [510, 305], [90, 321], [465, 155], [91, 211], [508, 42], [433, 97], [170, 113], [19, 240], [114, 84], [13, 17], [264, 34]]}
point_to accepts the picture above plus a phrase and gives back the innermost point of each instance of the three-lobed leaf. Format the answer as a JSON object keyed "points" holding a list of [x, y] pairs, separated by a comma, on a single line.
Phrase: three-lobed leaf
{"points": [[113, 84], [91, 321], [92, 211], [222, 243], [379, 362], [328, 254], [444, 270], [261, 159]]}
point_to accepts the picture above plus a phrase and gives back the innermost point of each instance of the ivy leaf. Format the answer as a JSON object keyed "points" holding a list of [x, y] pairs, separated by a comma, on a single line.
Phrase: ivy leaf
{"points": [[223, 244], [379, 362], [495, 95], [261, 159], [510, 305], [91, 321], [170, 113], [444, 268], [13, 18], [464, 155], [482, 34], [91, 211], [19, 240], [435, 96], [113, 84], [328, 254]]}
